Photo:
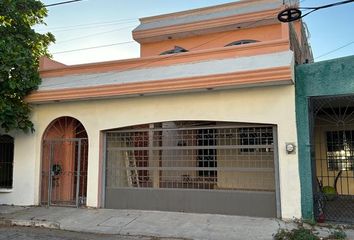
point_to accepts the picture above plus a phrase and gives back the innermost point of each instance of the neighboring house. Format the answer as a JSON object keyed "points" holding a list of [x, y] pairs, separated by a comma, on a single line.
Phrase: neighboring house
{"points": [[203, 122], [325, 115]]}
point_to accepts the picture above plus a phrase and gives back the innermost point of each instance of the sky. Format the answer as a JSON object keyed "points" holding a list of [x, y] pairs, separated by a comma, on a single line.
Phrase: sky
{"points": [[92, 23]]}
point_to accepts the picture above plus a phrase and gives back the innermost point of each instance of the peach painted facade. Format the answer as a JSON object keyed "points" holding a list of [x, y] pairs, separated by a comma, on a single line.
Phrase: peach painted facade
{"points": [[213, 40], [248, 83]]}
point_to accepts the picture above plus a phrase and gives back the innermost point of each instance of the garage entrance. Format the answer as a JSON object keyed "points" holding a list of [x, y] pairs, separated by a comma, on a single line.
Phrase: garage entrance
{"points": [[205, 167]]}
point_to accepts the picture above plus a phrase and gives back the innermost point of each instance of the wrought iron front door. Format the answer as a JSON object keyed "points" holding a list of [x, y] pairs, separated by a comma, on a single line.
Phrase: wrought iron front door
{"points": [[333, 157], [64, 172]]}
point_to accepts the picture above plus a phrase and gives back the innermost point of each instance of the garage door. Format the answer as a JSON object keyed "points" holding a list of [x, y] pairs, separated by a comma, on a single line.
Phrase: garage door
{"points": [[203, 167]]}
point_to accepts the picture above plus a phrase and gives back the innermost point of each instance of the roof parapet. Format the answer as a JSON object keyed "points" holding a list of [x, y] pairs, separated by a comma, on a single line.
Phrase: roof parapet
{"points": [[207, 20]]}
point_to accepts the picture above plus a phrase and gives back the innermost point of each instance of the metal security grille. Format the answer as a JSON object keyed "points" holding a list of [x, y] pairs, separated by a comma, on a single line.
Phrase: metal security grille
{"points": [[333, 148], [64, 179], [191, 155], [64, 163], [6, 161]]}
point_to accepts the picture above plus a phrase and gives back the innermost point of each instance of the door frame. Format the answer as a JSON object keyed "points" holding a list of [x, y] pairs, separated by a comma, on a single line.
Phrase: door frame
{"points": [[77, 172]]}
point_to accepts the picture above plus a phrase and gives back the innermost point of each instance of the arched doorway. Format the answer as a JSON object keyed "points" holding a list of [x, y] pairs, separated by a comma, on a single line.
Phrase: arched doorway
{"points": [[64, 163]]}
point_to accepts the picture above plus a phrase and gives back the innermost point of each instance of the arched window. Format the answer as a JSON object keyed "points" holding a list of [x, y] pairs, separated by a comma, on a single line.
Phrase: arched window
{"points": [[6, 161], [176, 49], [241, 42]]}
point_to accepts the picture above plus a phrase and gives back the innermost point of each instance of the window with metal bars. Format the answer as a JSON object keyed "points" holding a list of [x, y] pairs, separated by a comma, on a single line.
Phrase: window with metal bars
{"points": [[6, 161], [192, 155], [256, 137], [340, 150]]}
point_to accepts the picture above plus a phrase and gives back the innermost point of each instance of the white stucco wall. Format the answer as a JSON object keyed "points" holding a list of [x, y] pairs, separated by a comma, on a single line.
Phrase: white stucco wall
{"points": [[269, 105], [23, 191]]}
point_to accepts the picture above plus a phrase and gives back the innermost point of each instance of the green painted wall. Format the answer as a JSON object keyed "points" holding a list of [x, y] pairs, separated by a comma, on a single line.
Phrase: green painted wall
{"points": [[327, 78]]}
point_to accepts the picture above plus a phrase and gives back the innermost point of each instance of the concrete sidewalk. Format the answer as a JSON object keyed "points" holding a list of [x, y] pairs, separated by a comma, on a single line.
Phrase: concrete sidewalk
{"points": [[144, 223]]}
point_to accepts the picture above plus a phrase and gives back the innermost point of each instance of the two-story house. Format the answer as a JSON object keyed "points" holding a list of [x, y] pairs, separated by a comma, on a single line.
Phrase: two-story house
{"points": [[204, 121]]}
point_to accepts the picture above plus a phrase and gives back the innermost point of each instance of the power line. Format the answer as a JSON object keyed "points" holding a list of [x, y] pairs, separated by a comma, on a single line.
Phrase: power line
{"points": [[328, 5], [88, 48], [89, 25], [95, 34], [334, 50], [61, 3], [313, 9], [120, 43], [291, 14]]}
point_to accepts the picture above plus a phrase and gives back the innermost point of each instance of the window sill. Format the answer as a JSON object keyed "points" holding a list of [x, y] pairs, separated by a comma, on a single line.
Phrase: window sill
{"points": [[6, 190]]}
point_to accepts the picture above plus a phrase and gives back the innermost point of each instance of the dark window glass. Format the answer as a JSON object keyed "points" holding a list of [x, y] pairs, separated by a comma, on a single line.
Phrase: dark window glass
{"points": [[176, 49], [241, 42], [6, 161], [207, 156]]}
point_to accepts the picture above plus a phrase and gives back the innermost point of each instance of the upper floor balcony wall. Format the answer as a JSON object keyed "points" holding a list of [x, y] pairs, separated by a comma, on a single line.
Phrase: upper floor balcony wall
{"points": [[213, 40], [212, 27]]}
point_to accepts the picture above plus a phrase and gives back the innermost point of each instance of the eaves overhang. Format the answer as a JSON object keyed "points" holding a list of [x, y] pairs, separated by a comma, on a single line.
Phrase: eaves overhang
{"points": [[235, 72], [254, 49], [263, 77]]}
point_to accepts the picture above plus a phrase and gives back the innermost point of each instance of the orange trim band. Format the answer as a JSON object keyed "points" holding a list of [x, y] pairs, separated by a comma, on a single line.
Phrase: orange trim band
{"points": [[157, 61], [270, 76]]}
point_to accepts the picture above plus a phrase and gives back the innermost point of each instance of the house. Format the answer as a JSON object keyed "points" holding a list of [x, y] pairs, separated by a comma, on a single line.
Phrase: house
{"points": [[325, 118], [204, 121]]}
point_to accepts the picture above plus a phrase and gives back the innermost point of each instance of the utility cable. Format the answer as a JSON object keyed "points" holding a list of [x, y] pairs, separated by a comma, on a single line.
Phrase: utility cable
{"points": [[324, 6], [120, 43], [88, 48], [95, 34], [62, 3], [87, 26], [291, 14], [335, 50]]}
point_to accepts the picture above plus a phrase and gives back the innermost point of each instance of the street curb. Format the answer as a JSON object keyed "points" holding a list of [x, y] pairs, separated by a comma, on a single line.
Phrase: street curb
{"points": [[56, 226], [30, 223]]}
